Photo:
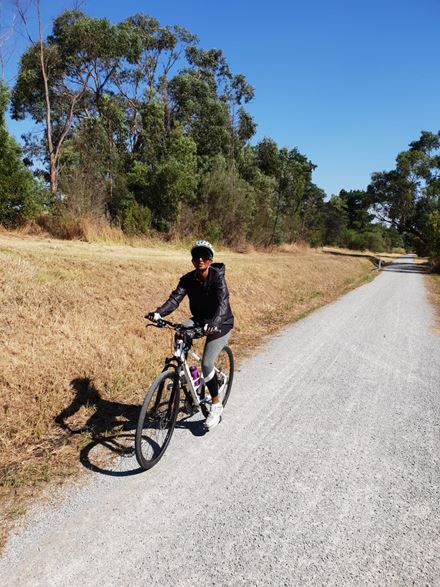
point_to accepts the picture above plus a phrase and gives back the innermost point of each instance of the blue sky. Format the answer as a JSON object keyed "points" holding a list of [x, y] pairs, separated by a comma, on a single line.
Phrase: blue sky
{"points": [[350, 83]]}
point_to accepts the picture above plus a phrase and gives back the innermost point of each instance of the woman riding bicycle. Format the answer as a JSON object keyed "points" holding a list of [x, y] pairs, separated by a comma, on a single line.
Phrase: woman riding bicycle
{"points": [[209, 304]]}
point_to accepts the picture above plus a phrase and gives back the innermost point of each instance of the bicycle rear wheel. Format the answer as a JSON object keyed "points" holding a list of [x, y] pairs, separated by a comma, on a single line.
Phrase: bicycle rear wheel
{"points": [[224, 367], [157, 419]]}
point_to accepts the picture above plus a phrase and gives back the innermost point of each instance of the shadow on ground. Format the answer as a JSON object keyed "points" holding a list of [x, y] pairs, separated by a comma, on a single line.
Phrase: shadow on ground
{"points": [[407, 268], [374, 260], [111, 430], [396, 266], [360, 254]]}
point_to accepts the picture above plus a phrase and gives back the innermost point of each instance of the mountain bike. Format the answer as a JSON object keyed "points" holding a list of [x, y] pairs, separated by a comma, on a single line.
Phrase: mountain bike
{"points": [[181, 378]]}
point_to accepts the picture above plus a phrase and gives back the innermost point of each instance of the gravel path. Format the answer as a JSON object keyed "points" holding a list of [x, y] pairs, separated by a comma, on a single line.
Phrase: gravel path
{"points": [[324, 471]]}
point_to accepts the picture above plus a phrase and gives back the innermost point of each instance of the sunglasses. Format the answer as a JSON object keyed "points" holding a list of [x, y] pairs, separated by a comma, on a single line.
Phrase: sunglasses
{"points": [[201, 255]]}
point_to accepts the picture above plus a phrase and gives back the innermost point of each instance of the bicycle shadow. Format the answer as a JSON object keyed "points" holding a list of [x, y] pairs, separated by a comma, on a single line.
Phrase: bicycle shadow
{"points": [[196, 427], [111, 428]]}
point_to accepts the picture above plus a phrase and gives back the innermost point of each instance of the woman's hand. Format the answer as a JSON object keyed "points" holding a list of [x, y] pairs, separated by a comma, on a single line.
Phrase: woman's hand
{"points": [[153, 316]]}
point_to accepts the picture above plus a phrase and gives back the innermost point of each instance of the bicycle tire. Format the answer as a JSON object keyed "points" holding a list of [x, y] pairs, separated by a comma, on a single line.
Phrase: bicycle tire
{"points": [[157, 419], [225, 363]]}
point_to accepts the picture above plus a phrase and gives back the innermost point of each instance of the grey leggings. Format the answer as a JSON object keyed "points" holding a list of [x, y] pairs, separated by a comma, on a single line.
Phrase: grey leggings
{"points": [[213, 346]]}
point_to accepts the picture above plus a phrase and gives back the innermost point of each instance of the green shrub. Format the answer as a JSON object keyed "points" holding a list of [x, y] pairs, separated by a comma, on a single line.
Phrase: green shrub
{"points": [[133, 218]]}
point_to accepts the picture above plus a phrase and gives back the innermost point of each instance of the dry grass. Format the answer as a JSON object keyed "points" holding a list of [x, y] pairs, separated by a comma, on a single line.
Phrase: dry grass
{"points": [[368, 254], [76, 357], [434, 297]]}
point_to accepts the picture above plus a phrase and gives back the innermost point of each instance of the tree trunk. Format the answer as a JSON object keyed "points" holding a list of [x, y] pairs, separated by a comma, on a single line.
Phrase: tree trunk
{"points": [[53, 177], [52, 156]]}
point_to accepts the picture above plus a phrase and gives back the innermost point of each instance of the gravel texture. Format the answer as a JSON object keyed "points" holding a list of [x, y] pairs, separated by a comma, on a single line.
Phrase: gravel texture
{"points": [[324, 471]]}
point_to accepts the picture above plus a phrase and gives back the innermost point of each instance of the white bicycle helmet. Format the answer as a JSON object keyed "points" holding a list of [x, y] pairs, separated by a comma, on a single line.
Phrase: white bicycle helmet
{"points": [[202, 246]]}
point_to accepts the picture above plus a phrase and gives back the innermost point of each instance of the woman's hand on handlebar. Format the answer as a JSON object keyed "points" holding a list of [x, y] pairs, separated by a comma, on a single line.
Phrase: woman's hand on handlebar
{"points": [[153, 316], [210, 329]]}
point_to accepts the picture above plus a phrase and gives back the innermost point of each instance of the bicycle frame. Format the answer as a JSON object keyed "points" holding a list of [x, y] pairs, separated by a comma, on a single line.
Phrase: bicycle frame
{"points": [[179, 362], [194, 391]]}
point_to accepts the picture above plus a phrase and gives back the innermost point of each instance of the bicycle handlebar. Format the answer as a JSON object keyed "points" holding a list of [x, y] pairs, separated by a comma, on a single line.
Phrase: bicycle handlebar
{"points": [[162, 323]]}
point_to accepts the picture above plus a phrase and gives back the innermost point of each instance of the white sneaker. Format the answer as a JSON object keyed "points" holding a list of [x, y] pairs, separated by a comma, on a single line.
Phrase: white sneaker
{"points": [[214, 415]]}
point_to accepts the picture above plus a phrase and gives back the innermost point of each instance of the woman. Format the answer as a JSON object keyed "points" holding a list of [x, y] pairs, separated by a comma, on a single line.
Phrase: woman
{"points": [[209, 304]]}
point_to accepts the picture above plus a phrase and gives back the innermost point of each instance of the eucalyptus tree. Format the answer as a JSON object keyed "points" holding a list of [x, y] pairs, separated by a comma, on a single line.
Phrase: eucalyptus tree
{"points": [[142, 123], [336, 221], [293, 173], [207, 100], [153, 55], [161, 166], [164, 174], [312, 215], [357, 206], [408, 197], [183, 120], [295, 178], [62, 80]]}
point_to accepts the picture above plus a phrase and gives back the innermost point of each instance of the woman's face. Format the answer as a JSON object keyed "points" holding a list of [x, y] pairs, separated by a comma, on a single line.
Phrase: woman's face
{"points": [[201, 261]]}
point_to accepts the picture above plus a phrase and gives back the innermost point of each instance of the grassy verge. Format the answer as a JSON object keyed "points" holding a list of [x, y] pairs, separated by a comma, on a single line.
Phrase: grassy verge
{"points": [[434, 296], [378, 259], [76, 355]]}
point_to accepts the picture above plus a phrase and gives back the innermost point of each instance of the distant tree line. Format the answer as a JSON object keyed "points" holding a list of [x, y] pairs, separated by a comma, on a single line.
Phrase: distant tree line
{"points": [[148, 130]]}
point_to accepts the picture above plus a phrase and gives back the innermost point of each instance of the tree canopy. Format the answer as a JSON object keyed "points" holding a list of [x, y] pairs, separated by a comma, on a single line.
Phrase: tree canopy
{"points": [[20, 196], [408, 197], [145, 128]]}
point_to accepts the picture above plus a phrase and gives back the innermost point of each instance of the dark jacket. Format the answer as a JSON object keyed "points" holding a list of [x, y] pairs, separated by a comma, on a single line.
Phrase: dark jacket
{"points": [[208, 300]]}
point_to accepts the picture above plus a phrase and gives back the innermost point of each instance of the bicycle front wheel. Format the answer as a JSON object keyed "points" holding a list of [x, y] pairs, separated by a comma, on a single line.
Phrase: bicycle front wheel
{"points": [[157, 419]]}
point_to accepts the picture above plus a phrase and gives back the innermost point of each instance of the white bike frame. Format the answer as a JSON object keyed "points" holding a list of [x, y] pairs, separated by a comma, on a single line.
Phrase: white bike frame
{"points": [[181, 355]]}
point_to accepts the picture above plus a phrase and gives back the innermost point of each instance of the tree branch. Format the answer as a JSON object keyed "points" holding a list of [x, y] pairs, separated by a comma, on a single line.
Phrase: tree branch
{"points": [[23, 17]]}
